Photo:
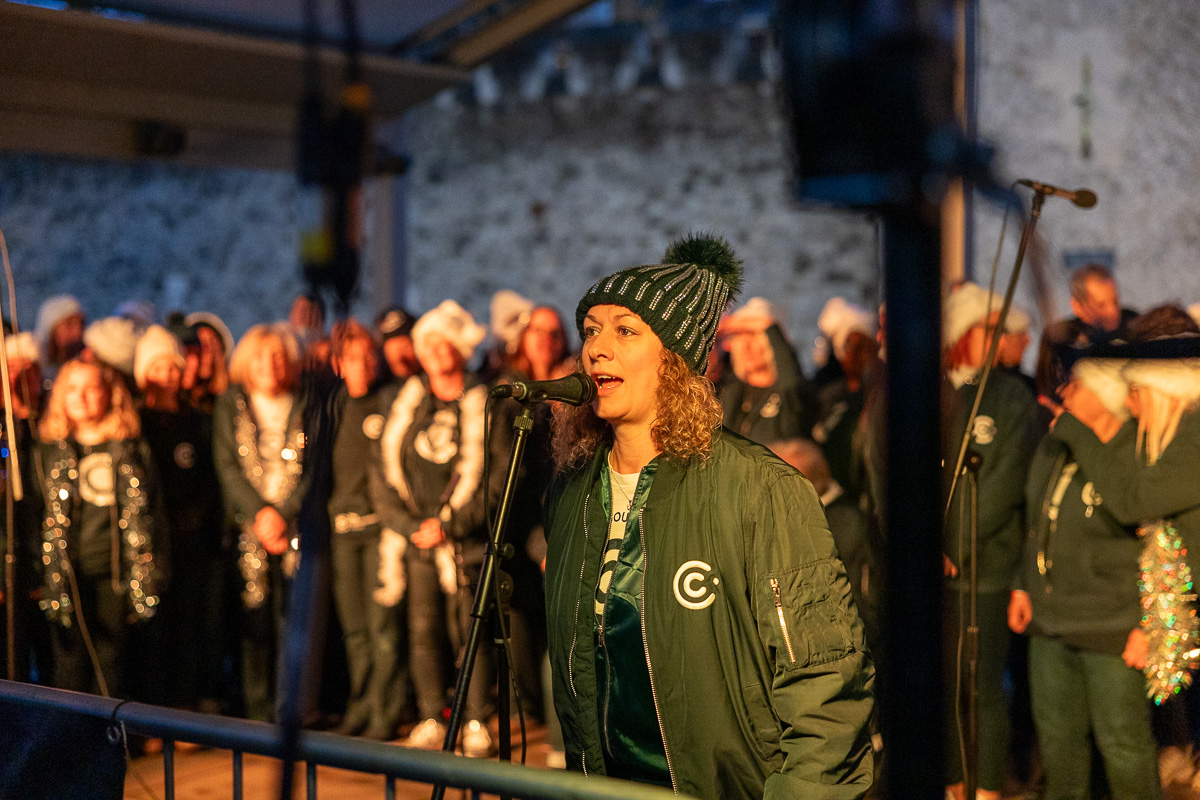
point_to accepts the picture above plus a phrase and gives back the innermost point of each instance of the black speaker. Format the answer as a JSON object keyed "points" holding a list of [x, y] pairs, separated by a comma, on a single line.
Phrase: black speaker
{"points": [[868, 88], [49, 754]]}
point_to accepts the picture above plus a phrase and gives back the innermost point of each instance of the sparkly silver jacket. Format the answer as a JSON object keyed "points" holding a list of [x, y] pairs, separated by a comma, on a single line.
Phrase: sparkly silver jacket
{"points": [[242, 474], [139, 571]]}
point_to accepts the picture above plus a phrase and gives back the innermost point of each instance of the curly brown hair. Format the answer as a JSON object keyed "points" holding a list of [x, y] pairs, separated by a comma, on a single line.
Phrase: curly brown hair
{"points": [[688, 414]]}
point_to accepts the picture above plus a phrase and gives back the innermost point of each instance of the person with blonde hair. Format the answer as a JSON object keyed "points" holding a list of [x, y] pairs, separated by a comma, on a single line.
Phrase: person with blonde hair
{"points": [[702, 633], [1076, 596], [102, 566], [258, 445]]}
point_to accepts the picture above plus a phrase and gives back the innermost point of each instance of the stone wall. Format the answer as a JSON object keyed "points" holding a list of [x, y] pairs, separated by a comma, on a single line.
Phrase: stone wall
{"points": [[545, 199], [1144, 160]]}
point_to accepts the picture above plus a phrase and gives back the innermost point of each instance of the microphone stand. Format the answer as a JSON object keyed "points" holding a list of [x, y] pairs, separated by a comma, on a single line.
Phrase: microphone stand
{"points": [[488, 579], [971, 467], [971, 643]]}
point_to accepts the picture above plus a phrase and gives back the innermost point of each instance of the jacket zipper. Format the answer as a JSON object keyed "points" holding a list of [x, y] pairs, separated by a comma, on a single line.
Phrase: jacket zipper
{"points": [[646, 646], [575, 627], [787, 638], [1053, 503], [600, 633]]}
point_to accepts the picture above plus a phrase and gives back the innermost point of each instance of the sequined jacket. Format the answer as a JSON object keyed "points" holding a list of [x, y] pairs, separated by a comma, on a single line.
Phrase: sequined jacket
{"points": [[240, 469], [142, 569]]}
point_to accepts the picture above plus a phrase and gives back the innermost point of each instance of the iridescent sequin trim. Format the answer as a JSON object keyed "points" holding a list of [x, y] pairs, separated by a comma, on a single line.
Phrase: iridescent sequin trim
{"points": [[139, 571], [252, 558]]}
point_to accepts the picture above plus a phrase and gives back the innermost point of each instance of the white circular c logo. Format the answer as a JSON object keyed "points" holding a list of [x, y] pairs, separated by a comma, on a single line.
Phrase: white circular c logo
{"points": [[693, 585]]}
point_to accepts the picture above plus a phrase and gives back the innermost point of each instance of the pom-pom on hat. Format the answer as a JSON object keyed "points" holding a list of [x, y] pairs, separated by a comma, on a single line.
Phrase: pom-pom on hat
{"points": [[453, 323], [113, 340], [1178, 377], [839, 318], [510, 314], [681, 299], [156, 343], [1104, 378]]}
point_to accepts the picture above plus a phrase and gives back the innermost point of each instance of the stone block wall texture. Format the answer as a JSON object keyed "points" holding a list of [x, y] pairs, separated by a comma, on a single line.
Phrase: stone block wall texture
{"points": [[544, 197], [1144, 129]]}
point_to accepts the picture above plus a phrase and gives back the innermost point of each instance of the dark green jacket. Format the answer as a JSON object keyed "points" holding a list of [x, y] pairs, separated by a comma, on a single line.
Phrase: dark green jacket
{"points": [[1005, 434], [755, 651], [1133, 491], [1080, 566]]}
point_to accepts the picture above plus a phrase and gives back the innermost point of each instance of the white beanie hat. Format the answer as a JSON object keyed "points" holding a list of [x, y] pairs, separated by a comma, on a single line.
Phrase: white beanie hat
{"points": [[1176, 377], [140, 311], [966, 306], [1103, 377], [157, 342], [838, 319], [113, 340], [452, 322], [211, 320], [756, 310], [509, 315], [1017, 319], [1194, 312], [20, 345], [53, 311]]}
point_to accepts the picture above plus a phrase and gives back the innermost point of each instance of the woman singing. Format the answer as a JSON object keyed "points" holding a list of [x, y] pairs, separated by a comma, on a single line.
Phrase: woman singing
{"points": [[701, 629]]}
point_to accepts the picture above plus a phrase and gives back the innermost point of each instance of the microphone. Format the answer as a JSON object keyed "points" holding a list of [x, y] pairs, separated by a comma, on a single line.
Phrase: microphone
{"points": [[1084, 198], [576, 390]]}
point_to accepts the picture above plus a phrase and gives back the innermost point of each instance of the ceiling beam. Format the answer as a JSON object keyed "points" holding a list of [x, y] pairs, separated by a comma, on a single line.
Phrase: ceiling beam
{"points": [[83, 83]]}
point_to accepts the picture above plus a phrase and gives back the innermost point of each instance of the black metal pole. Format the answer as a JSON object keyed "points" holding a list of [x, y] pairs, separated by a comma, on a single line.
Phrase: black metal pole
{"points": [[912, 718], [523, 424]]}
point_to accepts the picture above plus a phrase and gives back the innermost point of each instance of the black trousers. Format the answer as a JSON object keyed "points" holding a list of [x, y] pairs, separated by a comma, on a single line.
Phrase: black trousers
{"points": [[437, 625], [262, 638], [104, 614], [994, 639], [376, 655]]}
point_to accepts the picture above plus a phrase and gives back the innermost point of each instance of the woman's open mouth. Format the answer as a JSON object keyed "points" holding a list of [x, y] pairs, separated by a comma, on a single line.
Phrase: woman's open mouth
{"points": [[606, 383]]}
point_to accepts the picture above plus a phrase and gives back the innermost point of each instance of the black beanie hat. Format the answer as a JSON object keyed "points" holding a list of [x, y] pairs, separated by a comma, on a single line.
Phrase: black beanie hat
{"points": [[681, 299]]}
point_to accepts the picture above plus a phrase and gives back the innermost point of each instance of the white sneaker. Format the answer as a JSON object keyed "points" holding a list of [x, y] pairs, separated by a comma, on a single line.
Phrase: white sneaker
{"points": [[476, 740], [428, 735]]}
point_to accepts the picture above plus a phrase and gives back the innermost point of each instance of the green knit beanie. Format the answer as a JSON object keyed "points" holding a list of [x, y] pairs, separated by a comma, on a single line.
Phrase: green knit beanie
{"points": [[681, 299]]}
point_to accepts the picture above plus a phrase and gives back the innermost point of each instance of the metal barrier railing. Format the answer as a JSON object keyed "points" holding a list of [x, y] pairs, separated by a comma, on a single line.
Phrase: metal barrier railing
{"points": [[390, 761]]}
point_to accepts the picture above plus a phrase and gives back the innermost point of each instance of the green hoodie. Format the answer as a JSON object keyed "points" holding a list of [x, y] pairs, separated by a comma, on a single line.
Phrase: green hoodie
{"points": [[1080, 565], [760, 680], [1005, 435], [1135, 492]]}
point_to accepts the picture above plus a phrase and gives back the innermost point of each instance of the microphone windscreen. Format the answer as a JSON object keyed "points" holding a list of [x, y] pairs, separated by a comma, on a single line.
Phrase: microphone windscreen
{"points": [[1084, 198]]}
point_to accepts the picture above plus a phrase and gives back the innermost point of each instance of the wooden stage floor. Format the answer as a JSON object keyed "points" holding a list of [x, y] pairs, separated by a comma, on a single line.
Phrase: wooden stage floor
{"points": [[208, 775]]}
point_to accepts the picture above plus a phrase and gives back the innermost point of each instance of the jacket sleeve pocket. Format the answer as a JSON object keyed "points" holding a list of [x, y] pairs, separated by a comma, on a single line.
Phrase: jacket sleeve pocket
{"points": [[810, 615]]}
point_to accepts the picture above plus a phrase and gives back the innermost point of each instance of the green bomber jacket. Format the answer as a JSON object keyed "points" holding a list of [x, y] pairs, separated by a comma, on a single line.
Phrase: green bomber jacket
{"points": [[759, 672]]}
